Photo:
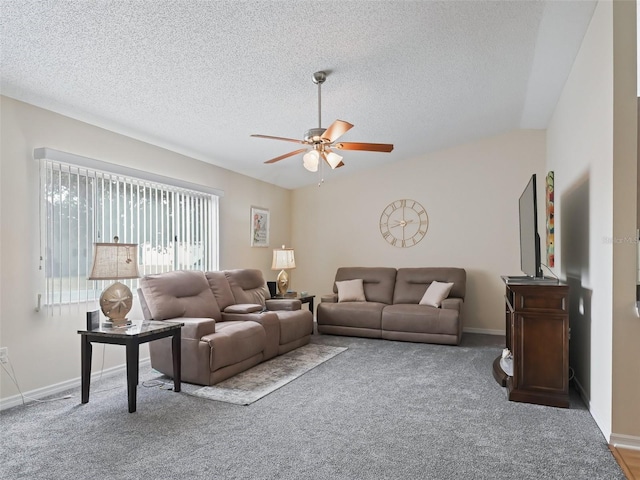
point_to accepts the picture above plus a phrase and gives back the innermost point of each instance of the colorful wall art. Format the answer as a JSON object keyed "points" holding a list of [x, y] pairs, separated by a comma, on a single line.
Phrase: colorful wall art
{"points": [[550, 222]]}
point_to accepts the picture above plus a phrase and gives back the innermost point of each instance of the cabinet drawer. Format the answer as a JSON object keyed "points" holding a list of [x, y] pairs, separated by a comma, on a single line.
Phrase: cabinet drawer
{"points": [[541, 302]]}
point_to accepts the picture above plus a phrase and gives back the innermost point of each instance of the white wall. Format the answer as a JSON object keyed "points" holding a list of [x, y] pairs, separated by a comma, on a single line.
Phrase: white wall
{"points": [[44, 350], [471, 195], [591, 147], [580, 151]]}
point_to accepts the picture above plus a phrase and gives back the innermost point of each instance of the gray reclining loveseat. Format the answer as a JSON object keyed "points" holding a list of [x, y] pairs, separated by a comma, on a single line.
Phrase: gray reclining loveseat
{"points": [[230, 322]]}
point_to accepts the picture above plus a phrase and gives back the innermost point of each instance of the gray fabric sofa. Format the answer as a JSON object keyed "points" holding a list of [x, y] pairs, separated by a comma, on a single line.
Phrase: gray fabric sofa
{"points": [[230, 322], [392, 310]]}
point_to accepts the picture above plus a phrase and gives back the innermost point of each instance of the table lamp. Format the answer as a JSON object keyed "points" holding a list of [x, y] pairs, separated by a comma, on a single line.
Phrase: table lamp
{"points": [[115, 261], [283, 260]]}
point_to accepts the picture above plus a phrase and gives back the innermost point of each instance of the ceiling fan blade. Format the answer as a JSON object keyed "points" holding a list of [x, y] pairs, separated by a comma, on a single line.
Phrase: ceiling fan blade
{"points": [[336, 130], [341, 164], [286, 155], [370, 147], [278, 138]]}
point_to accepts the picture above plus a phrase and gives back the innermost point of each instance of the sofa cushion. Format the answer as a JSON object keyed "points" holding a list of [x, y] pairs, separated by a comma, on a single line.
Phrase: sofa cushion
{"points": [[420, 319], [411, 283], [234, 342], [436, 293], [351, 291], [182, 293], [248, 285], [351, 314], [378, 282], [219, 285]]}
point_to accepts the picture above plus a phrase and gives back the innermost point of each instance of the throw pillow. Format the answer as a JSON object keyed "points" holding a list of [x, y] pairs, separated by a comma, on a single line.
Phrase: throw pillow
{"points": [[436, 293], [351, 291]]}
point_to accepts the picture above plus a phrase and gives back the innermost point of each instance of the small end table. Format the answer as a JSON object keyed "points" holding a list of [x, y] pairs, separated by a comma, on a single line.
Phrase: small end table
{"points": [[131, 336]]}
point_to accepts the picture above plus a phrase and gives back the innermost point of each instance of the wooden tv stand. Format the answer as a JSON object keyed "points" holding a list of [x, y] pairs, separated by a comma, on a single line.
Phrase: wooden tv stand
{"points": [[537, 334]]}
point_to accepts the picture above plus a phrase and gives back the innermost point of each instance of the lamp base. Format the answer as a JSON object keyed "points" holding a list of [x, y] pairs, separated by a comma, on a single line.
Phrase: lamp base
{"points": [[108, 324], [116, 302], [283, 282]]}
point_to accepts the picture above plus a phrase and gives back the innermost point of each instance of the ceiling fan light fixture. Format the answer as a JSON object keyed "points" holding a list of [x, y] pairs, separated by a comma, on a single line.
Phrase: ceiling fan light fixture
{"points": [[333, 159], [321, 140], [314, 135], [310, 160]]}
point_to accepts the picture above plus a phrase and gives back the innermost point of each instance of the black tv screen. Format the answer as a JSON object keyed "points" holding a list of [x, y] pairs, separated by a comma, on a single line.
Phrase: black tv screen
{"points": [[529, 238]]}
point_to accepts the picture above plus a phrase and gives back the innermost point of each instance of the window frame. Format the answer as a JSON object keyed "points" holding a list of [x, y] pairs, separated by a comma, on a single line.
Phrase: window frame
{"points": [[185, 195]]}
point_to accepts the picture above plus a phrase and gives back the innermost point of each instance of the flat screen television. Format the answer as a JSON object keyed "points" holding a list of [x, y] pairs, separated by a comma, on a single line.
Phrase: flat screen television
{"points": [[530, 263]]}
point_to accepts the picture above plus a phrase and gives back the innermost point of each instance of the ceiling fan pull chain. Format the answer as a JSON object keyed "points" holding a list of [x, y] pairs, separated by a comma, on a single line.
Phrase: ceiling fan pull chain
{"points": [[321, 174]]}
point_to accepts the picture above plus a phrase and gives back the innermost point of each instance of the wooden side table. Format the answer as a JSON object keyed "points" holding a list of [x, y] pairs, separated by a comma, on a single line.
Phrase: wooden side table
{"points": [[131, 336]]}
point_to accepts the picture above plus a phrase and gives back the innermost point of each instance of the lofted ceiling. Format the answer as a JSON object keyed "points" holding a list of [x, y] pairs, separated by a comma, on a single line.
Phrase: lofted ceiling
{"points": [[198, 77]]}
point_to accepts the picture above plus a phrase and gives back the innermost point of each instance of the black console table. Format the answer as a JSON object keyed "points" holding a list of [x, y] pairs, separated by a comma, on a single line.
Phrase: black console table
{"points": [[537, 334]]}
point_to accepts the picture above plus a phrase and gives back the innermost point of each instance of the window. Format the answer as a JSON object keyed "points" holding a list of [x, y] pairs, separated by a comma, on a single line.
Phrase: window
{"points": [[84, 201]]}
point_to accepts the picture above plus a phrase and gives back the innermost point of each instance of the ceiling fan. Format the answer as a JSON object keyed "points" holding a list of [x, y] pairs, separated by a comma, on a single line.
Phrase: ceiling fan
{"points": [[323, 140]]}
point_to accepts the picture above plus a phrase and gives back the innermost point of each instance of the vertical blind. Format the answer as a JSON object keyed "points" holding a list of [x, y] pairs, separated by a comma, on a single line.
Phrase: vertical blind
{"points": [[176, 228]]}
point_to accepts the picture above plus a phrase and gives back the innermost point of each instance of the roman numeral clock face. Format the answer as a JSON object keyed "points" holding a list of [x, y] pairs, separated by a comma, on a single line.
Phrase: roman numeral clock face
{"points": [[404, 223]]}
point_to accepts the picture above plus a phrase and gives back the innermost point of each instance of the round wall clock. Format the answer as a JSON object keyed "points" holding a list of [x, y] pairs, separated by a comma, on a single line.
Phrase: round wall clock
{"points": [[404, 223]]}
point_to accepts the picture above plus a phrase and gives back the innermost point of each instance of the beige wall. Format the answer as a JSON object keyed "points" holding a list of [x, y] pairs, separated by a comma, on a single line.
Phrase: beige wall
{"points": [[44, 350], [471, 196], [626, 324], [591, 147]]}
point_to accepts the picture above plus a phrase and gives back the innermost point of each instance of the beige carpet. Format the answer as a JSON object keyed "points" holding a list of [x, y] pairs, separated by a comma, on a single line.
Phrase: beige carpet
{"points": [[253, 384]]}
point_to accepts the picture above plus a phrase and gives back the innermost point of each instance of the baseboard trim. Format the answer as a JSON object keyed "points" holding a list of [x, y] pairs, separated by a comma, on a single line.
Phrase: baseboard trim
{"points": [[40, 393], [619, 440], [485, 331], [583, 393]]}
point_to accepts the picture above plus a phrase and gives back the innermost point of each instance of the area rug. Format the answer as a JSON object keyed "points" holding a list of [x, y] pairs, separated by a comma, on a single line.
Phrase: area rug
{"points": [[253, 384]]}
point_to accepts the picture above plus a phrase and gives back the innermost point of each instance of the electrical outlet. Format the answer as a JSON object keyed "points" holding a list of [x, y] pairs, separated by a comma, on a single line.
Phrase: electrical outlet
{"points": [[4, 355]]}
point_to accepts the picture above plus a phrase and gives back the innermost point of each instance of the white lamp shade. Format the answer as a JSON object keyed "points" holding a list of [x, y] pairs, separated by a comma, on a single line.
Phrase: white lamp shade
{"points": [[310, 160], [283, 258], [333, 159], [113, 261]]}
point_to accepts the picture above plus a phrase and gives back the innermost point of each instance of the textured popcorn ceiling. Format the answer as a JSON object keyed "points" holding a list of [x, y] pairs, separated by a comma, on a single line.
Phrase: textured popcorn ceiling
{"points": [[198, 77]]}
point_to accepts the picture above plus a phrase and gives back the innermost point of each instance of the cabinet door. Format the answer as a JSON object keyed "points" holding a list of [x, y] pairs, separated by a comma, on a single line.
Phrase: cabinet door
{"points": [[540, 352]]}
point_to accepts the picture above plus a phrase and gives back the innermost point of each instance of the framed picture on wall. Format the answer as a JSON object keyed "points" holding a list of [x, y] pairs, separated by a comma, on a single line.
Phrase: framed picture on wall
{"points": [[550, 220], [259, 227]]}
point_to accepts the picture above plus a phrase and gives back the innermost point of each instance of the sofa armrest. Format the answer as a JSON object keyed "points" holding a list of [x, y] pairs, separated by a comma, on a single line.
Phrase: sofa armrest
{"points": [[452, 304], [331, 298], [243, 308], [196, 328], [241, 317], [270, 323], [290, 304]]}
